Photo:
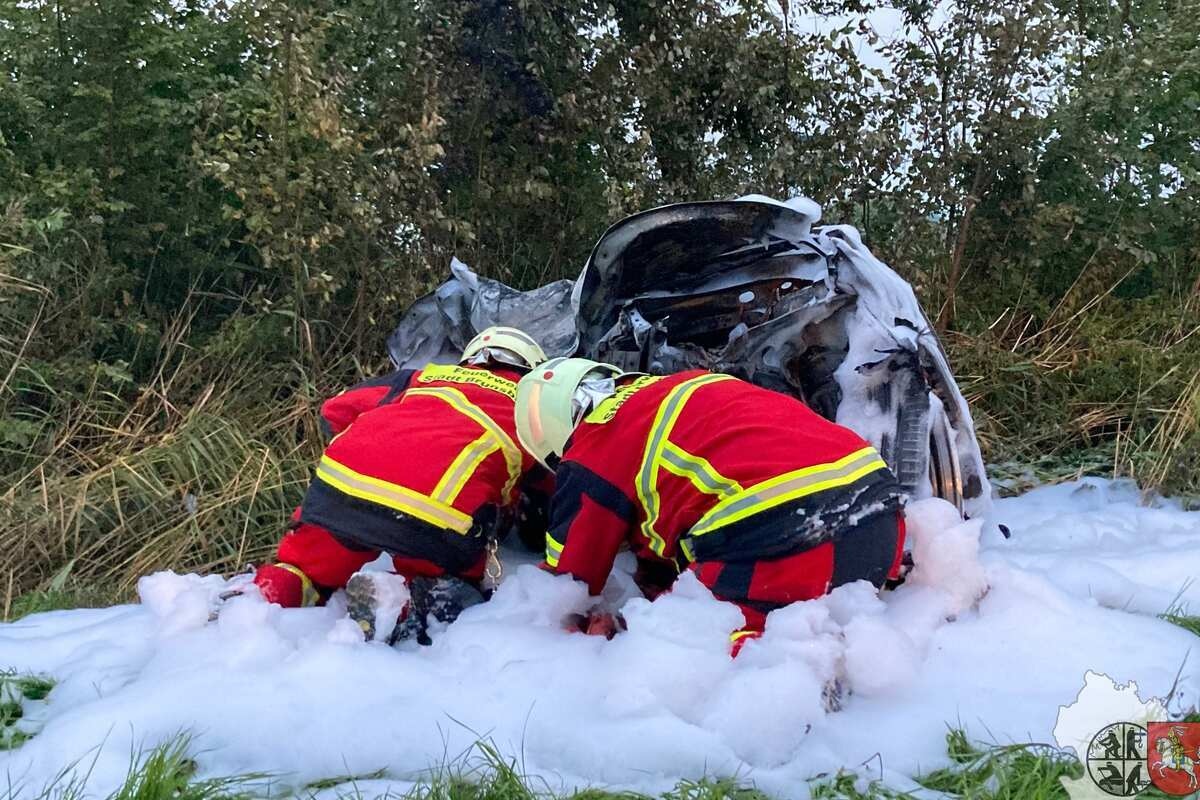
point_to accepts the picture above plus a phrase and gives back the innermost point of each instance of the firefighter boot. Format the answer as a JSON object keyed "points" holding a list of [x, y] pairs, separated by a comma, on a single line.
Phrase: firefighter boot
{"points": [[436, 602], [377, 601]]}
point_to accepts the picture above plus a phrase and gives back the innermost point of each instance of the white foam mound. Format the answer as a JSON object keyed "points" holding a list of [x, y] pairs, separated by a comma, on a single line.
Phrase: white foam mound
{"points": [[994, 636]]}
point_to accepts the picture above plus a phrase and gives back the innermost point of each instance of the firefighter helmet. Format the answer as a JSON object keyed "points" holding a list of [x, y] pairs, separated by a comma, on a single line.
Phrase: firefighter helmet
{"points": [[527, 352], [546, 409]]}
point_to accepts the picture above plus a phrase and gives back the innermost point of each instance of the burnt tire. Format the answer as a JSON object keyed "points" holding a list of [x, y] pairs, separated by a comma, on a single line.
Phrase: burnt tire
{"points": [[945, 472]]}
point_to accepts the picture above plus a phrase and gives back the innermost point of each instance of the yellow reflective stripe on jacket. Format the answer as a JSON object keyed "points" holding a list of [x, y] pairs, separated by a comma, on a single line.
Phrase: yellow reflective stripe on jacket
{"points": [[652, 459], [786, 487], [459, 402], [308, 593], [463, 467], [554, 551], [475, 377], [703, 475], [392, 495], [609, 406]]}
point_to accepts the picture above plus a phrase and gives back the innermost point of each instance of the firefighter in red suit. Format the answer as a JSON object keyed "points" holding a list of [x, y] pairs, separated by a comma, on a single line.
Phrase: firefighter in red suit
{"points": [[423, 465], [766, 502]]}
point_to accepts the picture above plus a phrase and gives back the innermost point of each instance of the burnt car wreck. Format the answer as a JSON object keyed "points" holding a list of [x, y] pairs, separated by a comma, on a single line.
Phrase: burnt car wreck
{"points": [[756, 289]]}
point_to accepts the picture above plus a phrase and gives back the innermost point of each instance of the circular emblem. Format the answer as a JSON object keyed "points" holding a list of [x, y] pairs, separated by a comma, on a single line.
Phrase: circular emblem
{"points": [[1116, 760]]}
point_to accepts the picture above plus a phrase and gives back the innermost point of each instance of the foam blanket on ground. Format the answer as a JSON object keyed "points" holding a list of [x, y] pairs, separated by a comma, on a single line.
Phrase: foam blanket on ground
{"points": [[989, 634]]}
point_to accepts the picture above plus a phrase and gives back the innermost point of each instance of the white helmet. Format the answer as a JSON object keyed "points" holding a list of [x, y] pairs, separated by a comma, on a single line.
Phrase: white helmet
{"points": [[508, 345], [547, 411]]}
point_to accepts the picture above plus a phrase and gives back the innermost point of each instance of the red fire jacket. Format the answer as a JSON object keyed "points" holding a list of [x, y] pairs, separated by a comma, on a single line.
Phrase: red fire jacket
{"points": [[699, 466], [437, 445]]}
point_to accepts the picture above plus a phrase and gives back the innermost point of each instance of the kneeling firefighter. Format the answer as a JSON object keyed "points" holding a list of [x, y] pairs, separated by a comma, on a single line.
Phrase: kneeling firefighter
{"points": [[423, 465], [764, 500]]}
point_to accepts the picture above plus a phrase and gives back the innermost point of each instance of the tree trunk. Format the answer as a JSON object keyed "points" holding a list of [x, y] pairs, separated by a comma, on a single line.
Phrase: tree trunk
{"points": [[946, 315]]}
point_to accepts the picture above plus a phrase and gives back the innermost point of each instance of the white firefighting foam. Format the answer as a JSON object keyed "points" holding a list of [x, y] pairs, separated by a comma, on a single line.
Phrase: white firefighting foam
{"points": [[992, 636]]}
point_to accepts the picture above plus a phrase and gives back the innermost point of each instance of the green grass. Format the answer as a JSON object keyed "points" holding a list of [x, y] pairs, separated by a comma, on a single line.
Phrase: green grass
{"points": [[714, 789], [330, 783], [58, 593], [168, 773], [1185, 621], [34, 687], [846, 786], [165, 772], [1179, 614], [36, 602], [1016, 477], [10, 712], [977, 772], [15, 691], [1004, 772], [13, 738], [994, 772], [15, 687]]}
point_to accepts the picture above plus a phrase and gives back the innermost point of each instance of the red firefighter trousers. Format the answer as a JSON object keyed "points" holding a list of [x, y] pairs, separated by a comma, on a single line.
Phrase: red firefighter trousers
{"points": [[871, 551]]}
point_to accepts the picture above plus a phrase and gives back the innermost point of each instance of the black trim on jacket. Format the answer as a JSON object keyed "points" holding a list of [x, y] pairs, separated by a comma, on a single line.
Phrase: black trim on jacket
{"points": [[361, 525], [573, 482], [801, 524]]}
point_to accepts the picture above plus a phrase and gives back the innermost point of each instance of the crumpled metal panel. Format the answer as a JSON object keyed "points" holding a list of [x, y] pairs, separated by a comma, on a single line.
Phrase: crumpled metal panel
{"points": [[754, 288], [437, 327]]}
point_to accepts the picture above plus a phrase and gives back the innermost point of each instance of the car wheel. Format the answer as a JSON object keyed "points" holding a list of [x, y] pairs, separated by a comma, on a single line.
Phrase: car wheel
{"points": [[945, 474]]}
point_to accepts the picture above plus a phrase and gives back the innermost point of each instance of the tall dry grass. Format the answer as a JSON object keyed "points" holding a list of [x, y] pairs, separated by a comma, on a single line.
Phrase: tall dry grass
{"points": [[1095, 386], [195, 469]]}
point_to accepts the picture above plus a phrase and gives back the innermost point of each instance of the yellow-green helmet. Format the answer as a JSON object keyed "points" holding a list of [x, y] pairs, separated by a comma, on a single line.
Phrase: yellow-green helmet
{"points": [[520, 344], [546, 417]]}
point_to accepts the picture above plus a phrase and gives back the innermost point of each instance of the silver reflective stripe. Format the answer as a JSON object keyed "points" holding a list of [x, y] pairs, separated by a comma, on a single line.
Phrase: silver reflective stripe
{"points": [[459, 402], [790, 486], [664, 421], [463, 467], [699, 471], [392, 495]]}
